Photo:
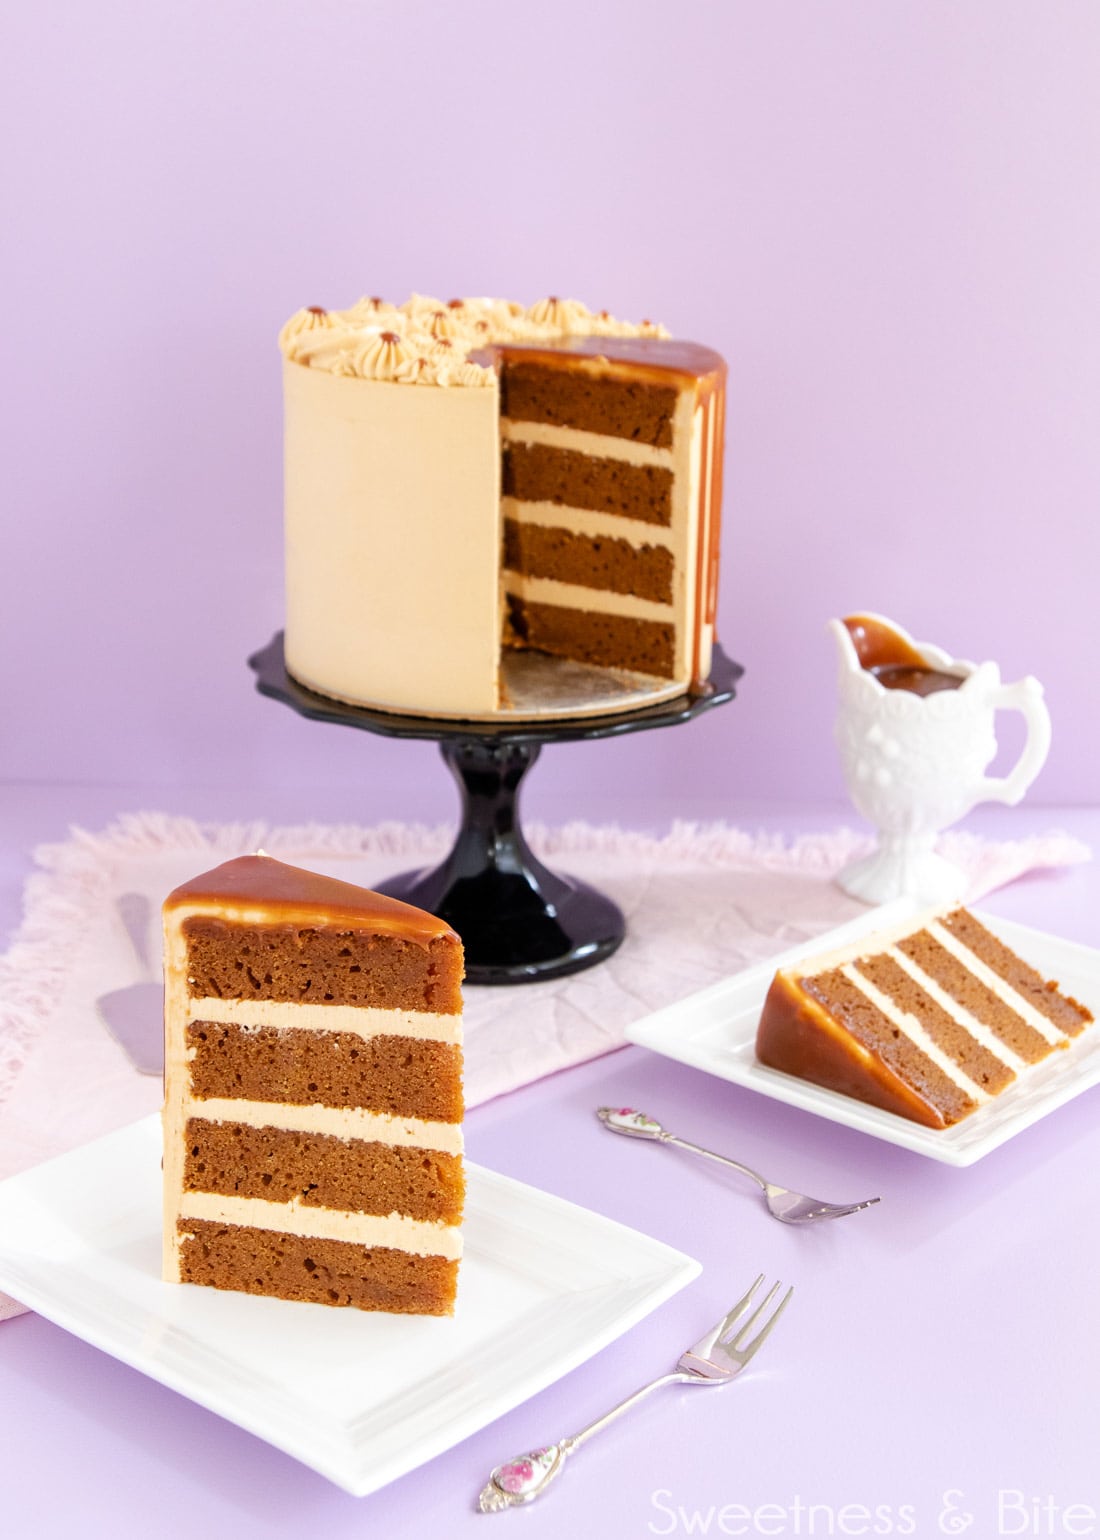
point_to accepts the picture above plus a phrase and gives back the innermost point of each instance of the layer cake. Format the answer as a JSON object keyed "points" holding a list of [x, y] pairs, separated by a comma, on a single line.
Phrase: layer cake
{"points": [[469, 479], [929, 1021], [313, 1091]]}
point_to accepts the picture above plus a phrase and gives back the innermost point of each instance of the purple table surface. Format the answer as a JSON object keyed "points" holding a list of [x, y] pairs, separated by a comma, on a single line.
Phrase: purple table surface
{"points": [[939, 1359]]}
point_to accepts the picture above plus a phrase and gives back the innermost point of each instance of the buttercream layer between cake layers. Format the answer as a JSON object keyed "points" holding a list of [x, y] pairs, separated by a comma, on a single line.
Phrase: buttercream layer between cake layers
{"points": [[395, 1232], [363, 1021], [341, 1122], [916, 1020], [312, 1146]]}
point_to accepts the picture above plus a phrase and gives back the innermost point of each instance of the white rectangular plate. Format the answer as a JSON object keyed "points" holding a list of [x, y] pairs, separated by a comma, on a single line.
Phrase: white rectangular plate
{"points": [[359, 1396], [715, 1031]]}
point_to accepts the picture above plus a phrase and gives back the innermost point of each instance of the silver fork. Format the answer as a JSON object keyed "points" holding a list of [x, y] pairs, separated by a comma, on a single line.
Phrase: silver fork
{"points": [[793, 1208], [715, 1359]]}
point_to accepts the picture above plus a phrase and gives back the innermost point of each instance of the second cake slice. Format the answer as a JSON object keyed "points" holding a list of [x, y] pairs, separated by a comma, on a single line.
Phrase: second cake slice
{"points": [[929, 1020]]}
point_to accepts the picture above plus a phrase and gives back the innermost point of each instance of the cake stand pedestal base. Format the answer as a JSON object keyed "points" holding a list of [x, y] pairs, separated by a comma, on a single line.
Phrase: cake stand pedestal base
{"points": [[518, 920]]}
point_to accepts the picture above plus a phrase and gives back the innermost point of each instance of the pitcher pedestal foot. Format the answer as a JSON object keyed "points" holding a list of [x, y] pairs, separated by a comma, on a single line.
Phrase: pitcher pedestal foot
{"points": [[901, 868]]}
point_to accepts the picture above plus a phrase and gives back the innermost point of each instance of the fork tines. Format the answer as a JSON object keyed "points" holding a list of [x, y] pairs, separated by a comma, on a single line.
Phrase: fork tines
{"points": [[734, 1341], [731, 1336]]}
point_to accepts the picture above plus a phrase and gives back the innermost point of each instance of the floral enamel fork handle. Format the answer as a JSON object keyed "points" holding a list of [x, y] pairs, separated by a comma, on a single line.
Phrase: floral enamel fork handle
{"points": [[793, 1208], [714, 1360]]}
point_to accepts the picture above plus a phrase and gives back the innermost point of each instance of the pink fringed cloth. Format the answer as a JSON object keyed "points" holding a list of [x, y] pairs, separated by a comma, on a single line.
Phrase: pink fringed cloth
{"points": [[701, 903]]}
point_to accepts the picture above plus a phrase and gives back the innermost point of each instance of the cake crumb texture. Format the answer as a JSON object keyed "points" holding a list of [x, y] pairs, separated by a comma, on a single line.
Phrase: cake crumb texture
{"points": [[540, 550], [630, 409], [254, 1261], [403, 1076], [540, 473], [355, 1175], [609, 641], [320, 965]]}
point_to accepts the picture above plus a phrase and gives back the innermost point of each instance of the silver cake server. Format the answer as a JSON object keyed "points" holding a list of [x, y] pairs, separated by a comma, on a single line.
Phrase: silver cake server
{"points": [[134, 1015]]}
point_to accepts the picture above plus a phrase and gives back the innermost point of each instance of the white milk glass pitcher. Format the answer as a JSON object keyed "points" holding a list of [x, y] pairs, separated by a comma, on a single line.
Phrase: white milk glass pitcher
{"points": [[916, 734]]}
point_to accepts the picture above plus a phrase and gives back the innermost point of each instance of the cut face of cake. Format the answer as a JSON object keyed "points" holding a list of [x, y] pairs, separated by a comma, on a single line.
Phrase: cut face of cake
{"points": [[929, 1021], [611, 466], [313, 1091], [469, 482]]}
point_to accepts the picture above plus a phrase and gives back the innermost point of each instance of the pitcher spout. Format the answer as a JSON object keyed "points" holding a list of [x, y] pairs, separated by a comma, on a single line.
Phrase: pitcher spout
{"points": [[881, 643], [847, 656]]}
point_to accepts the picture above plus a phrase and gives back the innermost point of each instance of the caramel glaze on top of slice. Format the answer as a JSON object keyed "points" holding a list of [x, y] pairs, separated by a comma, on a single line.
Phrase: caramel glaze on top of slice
{"points": [[263, 890]]}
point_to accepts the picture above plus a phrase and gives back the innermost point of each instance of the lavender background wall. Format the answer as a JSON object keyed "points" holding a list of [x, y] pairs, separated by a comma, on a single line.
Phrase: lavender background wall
{"points": [[885, 216]]}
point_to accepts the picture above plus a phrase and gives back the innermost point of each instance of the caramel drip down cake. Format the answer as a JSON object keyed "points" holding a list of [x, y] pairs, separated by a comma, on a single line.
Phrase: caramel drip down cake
{"points": [[313, 1091], [930, 1021]]}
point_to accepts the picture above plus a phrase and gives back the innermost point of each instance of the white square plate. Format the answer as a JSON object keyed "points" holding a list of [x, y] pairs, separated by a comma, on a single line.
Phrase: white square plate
{"points": [[361, 1397], [715, 1030]]}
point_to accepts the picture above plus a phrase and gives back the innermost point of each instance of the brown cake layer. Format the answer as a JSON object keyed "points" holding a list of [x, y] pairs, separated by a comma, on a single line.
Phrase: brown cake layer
{"points": [[357, 1175], [337, 966], [974, 996], [541, 551], [876, 1032], [318, 1271], [632, 409], [404, 1076], [1066, 1014], [608, 641], [538, 473], [975, 1061]]}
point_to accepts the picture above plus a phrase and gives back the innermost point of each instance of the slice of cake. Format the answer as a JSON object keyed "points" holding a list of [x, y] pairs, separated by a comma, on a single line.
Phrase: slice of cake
{"points": [[491, 508], [929, 1021], [313, 1091], [611, 480]]}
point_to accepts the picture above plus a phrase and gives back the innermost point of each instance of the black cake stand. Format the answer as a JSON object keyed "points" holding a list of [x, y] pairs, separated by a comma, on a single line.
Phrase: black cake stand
{"points": [[518, 920]]}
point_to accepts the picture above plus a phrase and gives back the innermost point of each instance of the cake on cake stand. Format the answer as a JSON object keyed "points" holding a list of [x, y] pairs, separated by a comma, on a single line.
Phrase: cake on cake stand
{"points": [[518, 920]]}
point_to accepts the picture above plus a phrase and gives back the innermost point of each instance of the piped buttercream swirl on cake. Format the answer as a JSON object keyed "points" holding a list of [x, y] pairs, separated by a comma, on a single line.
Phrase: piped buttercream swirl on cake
{"points": [[375, 340], [303, 323], [567, 316], [382, 355], [371, 309]]}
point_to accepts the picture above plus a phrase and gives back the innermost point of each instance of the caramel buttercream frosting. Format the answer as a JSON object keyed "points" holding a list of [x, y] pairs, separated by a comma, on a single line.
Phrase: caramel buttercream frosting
{"points": [[428, 341], [382, 355], [302, 324], [567, 316]]}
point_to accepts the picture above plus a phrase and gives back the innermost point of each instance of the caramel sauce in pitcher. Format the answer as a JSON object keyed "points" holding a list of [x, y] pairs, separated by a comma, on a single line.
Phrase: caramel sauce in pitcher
{"points": [[893, 661]]}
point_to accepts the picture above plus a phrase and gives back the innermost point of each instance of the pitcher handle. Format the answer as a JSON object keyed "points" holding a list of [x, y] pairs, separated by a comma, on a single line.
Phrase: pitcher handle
{"points": [[1026, 696]]}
